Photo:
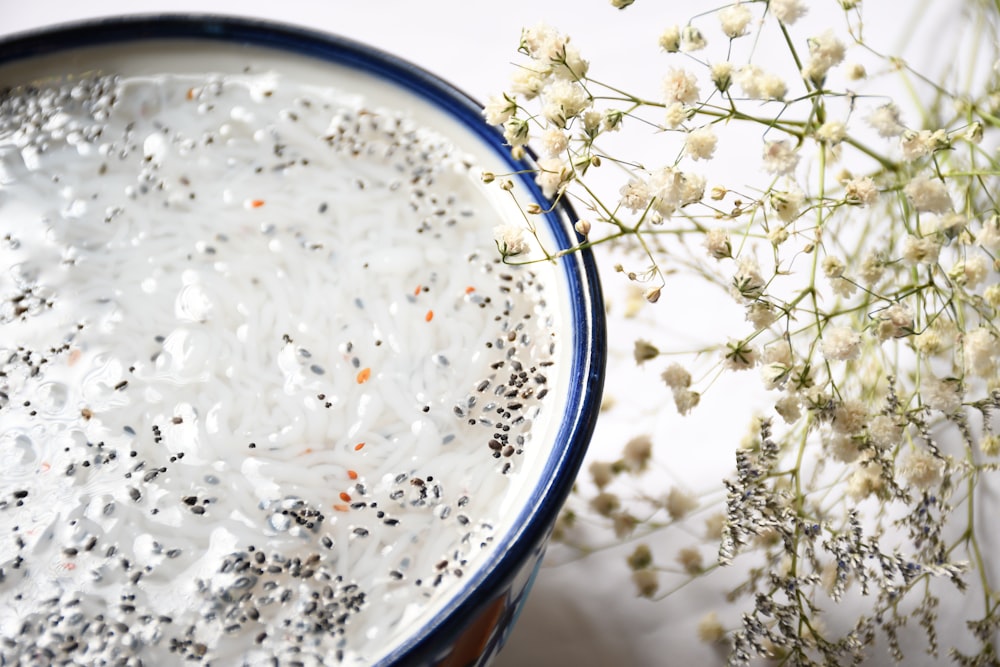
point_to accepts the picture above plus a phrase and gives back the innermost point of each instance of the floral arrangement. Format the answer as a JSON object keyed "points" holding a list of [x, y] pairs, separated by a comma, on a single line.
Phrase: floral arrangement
{"points": [[859, 237]]}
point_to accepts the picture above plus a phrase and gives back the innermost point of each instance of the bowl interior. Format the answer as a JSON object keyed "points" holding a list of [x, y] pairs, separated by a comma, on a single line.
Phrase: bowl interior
{"points": [[246, 89]]}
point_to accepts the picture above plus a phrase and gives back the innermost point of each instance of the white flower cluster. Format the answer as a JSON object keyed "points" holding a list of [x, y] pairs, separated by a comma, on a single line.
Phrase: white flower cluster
{"points": [[860, 242]]}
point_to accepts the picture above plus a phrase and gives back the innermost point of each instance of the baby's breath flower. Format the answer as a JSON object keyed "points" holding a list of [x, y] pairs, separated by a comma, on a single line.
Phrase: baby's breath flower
{"points": [[929, 341], [922, 469], [774, 374], [670, 39], [992, 295], [717, 243], [915, 144], [611, 121], [841, 343], [789, 408], [643, 351], [884, 432], [780, 158], [554, 141], [552, 176], [747, 282], [680, 86], [989, 236], [761, 314], [676, 377], [685, 400], [779, 352], [676, 113], [537, 41], [981, 349], [759, 85], [499, 109], [970, 272], [680, 503], [692, 188], [886, 121], [692, 39], [895, 321], [635, 195], [510, 240], [641, 558], [672, 188], [700, 143], [624, 524], [722, 75], [527, 82], [553, 52], [710, 629], [787, 11], [921, 250], [647, 582], [825, 51], [637, 452], [582, 227], [602, 473], [943, 395], [568, 63], [816, 398], [949, 224], [865, 480], [787, 204], [833, 267], [831, 132], [974, 133], [777, 235], [842, 447], [690, 559], [734, 20], [990, 444], [740, 356], [850, 416], [516, 131], [605, 503], [861, 191], [872, 267], [563, 101]]}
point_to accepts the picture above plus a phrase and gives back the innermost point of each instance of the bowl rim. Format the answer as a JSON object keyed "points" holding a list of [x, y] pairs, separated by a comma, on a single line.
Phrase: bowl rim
{"points": [[536, 518]]}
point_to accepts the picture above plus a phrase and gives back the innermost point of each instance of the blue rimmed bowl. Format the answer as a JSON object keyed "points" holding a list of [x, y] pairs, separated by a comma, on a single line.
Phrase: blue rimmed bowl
{"points": [[475, 620]]}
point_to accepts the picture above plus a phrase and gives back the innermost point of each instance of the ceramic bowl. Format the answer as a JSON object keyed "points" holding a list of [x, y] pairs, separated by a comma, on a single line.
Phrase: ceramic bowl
{"points": [[470, 626]]}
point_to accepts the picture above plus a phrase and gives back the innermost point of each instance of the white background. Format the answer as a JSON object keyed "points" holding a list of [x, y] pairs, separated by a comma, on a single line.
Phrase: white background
{"points": [[581, 613]]}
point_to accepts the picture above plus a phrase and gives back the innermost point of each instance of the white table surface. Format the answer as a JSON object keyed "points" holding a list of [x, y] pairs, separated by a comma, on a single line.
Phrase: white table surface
{"points": [[583, 613]]}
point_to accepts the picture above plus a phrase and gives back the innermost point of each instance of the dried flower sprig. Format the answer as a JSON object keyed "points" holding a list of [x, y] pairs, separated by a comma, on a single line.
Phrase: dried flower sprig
{"points": [[861, 242]]}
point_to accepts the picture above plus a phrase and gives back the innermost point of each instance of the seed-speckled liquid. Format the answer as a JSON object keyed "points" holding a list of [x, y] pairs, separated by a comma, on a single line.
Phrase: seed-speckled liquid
{"points": [[267, 391]]}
